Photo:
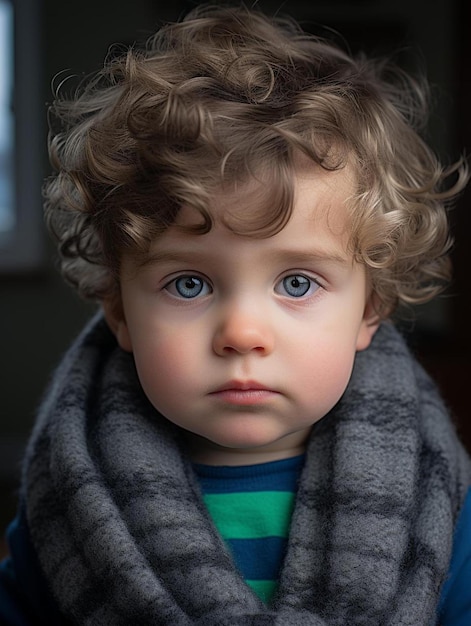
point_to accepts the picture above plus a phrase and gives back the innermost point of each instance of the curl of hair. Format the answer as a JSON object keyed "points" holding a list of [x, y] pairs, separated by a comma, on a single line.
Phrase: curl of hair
{"points": [[227, 95]]}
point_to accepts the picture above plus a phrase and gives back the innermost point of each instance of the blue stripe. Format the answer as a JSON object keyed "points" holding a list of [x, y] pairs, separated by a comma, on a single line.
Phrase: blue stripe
{"points": [[258, 559], [455, 602], [275, 476]]}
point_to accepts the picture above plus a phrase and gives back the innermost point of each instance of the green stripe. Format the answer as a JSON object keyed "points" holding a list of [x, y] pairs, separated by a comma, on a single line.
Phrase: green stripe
{"points": [[251, 515], [265, 589]]}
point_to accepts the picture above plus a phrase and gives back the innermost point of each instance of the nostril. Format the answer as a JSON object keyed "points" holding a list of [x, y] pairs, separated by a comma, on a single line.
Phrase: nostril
{"points": [[243, 343]]}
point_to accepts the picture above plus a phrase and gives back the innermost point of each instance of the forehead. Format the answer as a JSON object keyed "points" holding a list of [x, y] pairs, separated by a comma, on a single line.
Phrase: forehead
{"points": [[318, 227], [325, 194], [318, 195]]}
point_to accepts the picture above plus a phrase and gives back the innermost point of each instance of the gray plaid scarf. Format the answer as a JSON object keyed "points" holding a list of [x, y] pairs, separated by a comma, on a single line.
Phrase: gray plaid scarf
{"points": [[123, 536]]}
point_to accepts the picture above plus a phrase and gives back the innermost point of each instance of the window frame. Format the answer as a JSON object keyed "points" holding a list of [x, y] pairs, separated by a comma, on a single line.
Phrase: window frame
{"points": [[21, 248]]}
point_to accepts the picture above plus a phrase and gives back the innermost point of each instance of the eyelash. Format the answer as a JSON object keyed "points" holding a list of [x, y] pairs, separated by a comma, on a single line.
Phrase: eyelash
{"points": [[306, 285]]}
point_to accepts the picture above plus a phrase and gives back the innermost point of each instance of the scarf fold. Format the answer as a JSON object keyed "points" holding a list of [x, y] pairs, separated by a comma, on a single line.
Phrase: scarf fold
{"points": [[123, 536]]}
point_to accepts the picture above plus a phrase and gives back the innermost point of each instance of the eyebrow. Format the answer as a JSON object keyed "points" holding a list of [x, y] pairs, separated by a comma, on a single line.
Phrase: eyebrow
{"points": [[318, 255], [167, 256]]}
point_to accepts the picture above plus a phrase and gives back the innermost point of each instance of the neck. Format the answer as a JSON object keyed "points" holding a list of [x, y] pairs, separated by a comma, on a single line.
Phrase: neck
{"points": [[203, 451]]}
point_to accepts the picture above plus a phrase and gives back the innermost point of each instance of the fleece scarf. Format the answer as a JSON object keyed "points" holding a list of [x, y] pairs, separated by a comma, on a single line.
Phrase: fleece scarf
{"points": [[123, 536]]}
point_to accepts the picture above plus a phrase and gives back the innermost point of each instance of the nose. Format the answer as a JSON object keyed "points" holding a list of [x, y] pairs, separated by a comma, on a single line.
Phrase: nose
{"points": [[241, 331]]}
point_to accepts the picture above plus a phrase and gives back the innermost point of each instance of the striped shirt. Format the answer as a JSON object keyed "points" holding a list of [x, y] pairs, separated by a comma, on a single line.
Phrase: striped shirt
{"points": [[251, 507]]}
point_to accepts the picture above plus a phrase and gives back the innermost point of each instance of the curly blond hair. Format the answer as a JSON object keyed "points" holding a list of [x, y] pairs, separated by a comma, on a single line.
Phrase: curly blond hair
{"points": [[228, 94]]}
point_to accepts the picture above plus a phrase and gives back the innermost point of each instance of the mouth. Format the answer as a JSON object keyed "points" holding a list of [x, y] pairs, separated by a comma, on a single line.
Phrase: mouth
{"points": [[242, 385], [243, 393]]}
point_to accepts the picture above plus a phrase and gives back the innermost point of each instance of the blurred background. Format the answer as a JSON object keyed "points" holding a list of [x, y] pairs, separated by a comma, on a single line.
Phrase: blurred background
{"points": [[39, 315]]}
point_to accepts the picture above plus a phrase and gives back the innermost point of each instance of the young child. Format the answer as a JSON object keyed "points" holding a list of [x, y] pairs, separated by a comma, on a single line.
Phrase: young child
{"points": [[241, 437]]}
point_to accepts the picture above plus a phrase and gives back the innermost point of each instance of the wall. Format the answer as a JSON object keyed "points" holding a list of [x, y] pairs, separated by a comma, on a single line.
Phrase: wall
{"points": [[39, 315]]}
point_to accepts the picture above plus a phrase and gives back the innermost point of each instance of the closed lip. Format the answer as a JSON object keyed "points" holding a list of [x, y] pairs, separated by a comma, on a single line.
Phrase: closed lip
{"points": [[244, 393], [243, 385]]}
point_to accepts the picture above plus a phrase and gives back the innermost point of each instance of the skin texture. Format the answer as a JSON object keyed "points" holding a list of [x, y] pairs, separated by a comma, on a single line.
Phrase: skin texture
{"points": [[246, 342]]}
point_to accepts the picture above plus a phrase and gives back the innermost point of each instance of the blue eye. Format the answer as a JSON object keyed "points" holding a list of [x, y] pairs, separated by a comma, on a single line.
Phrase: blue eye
{"points": [[297, 285], [188, 287]]}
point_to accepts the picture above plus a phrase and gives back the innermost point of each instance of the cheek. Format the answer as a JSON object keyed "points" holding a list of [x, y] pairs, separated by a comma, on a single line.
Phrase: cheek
{"points": [[324, 372], [165, 368]]}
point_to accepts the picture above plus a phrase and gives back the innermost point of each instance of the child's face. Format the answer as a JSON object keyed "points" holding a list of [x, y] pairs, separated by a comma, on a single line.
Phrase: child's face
{"points": [[245, 343]]}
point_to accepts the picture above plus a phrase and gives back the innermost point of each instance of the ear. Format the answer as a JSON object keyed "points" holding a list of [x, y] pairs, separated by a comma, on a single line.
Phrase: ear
{"points": [[369, 324], [114, 315]]}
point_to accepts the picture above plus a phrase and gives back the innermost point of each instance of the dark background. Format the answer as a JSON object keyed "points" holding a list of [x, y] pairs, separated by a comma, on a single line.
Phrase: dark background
{"points": [[39, 315]]}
